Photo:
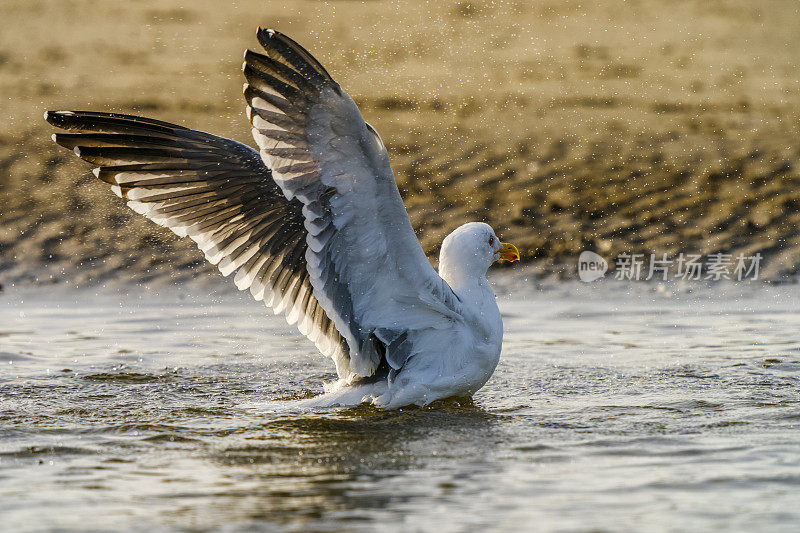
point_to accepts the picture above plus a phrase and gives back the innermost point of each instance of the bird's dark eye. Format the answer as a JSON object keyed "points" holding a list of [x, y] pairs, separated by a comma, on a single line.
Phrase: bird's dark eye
{"points": [[491, 241]]}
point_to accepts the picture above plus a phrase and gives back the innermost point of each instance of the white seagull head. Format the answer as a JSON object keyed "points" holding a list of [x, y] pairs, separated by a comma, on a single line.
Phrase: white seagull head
{"points": [[469, 251]]}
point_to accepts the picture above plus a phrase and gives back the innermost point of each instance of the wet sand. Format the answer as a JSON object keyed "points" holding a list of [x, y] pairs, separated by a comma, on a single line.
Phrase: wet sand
{"points": [[643, 126]]}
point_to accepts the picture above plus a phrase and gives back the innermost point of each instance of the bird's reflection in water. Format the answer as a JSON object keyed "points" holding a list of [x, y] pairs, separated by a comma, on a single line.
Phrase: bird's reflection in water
{"points": [[349, 462]]}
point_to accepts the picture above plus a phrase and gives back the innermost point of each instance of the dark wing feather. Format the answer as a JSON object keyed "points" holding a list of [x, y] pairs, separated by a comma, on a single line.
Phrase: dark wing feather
{"points": [[218, 193], [364, 261]]}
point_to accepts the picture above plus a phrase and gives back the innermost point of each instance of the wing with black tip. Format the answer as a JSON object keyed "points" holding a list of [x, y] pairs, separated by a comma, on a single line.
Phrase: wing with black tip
{"points": [[219, 193], [365, 263]]}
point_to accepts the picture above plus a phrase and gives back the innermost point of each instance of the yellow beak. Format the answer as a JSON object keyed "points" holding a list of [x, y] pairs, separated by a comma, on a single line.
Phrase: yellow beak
{"points": [[509, 252]]}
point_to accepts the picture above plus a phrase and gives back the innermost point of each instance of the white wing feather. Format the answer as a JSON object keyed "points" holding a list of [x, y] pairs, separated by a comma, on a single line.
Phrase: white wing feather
{"points": [[365, 263]]}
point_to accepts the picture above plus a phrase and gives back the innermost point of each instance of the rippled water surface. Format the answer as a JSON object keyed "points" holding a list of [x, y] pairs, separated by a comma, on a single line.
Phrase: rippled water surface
{"points": [[614, 408]]}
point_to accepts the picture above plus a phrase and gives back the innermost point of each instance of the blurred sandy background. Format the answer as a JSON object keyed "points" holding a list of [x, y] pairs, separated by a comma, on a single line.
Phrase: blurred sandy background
{"points": [[642, 126]]}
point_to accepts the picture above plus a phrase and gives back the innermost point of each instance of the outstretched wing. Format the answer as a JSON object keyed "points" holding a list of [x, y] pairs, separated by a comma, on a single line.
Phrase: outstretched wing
{"points": [[364, 261], [218, 193]]}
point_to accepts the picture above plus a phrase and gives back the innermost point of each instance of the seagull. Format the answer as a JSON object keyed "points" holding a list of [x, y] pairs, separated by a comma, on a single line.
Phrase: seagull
{"points": [[314, 226]]}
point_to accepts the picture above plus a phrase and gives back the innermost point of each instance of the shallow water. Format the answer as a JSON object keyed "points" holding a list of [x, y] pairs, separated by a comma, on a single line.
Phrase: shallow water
{"points": [[614, 408]]}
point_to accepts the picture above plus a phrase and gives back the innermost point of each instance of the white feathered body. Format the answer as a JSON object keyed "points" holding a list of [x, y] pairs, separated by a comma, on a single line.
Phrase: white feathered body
{"points": [[452, 362], [456, 358]]}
